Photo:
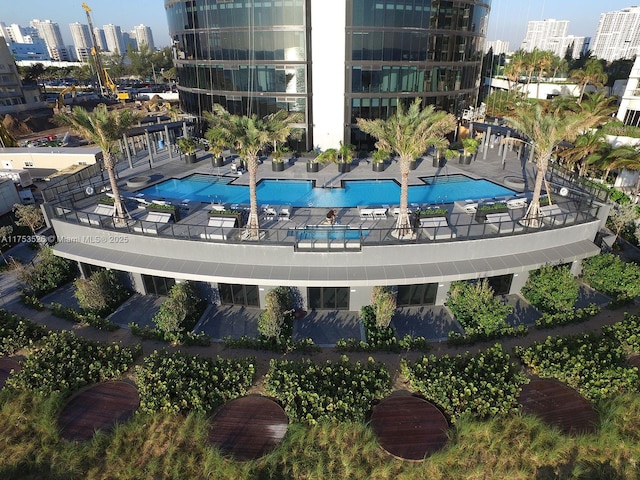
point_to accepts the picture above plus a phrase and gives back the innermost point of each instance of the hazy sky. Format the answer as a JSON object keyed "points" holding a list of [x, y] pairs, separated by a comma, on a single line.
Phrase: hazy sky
{"points": [[508, 20]]}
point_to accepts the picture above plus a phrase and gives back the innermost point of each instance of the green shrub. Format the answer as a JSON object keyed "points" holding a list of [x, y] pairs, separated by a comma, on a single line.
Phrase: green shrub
{"points": [[477, 309], [455, 338], [336, 391], [182, 309], [101, 293], [626, 332], [175, 338], [47, 273], [483, 385], [552, 290], [593, 364], [280, 345], [32, 301], [64, 362], [551, 320], [17, 332], [91, 319], [276, 321], [176, 382], [384, 304], [613, 277]]}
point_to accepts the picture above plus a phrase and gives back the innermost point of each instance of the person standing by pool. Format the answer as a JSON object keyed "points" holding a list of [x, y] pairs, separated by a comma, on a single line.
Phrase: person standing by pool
{"points": [[331, 217]]}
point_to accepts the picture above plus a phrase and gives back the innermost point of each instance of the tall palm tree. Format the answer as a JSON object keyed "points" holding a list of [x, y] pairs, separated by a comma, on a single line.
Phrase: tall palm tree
{"points": [[608, 157], [545, 131], [104, 128], [248, 135], [543, 64], [593, 73], [409, 133], [585, 145]]}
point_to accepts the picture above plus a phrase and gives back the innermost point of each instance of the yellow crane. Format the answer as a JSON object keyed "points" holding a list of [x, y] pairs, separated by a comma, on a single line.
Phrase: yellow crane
{"points": [[107, 86]]}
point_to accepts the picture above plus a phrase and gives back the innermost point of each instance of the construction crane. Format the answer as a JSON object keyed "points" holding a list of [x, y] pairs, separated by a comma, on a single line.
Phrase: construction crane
{"points": [[107, 86]]}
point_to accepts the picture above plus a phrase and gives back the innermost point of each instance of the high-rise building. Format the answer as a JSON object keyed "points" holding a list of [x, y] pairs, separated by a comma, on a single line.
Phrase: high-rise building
{"points": [[29, 46], [101, 40], [332, 63], [50, 32], [618, 34], [113, 35], [541, 32], [499, 47], [82, 42], [129, 41], [576, 45], [143, 35]]}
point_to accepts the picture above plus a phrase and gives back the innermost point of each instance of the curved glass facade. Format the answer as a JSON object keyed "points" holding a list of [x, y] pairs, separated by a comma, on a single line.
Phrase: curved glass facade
{"points": [[255, 56]]}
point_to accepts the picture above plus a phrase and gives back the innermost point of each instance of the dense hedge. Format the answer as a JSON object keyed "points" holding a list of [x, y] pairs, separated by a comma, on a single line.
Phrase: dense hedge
{"points": [[280, 344], [608, 274], [552, 290], [483, 385], [64, 362], [335, 391], [551, 320], [176, 382], [17, 332], [47, 273], [181, 310], [175, 338], [627, 332], [596, 365], [91, 319], [101, 293], [380, 337]]}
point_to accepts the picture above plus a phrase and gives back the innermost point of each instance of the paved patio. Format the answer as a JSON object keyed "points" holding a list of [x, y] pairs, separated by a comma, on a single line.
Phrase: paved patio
{"points": [[139, 309]]}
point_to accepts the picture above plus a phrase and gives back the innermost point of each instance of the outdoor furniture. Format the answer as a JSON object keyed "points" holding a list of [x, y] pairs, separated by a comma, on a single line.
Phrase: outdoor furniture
{"points": [[153, 223], [503, 223], [218, 228], [437, 228], [554, 215], [470, 206], [515, 203], [269, 212], [284, 213]]}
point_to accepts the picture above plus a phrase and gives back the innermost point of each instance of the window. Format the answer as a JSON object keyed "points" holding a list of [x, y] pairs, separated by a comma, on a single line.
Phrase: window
{"points": [[418, 294], [501, 284], [28, 164], [328, 298], [157, 285], [234, 294]]}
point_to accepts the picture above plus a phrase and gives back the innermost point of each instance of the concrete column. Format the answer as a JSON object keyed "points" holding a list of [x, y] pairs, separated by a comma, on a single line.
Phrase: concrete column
{"points": [[443, 291], [126, 147], [485, 143], [150, 147], [184, 129], [167, 142], [137, 283], [576, 268], [359, 297], [518, 281]]}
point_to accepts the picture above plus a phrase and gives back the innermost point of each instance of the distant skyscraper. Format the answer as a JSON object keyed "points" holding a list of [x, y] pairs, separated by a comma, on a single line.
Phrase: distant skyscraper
{"points": [[539, 33], [100, 39], [578, 45], [618, 34], [81, 36], [129, 41], [113, 34], [143, 35], [499, 47], [24, 43], [50, 32]]}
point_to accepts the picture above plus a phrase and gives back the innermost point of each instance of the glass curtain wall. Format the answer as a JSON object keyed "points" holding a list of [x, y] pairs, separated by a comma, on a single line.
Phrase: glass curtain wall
{"points": [[250, 56], [401, 49]]}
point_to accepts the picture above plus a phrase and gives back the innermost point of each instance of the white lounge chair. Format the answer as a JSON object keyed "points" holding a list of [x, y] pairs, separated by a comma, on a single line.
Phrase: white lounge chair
{"points": [[269, 212], [470, 206], [97, 216], [153, 223], [284, 213], [554, 215], [503, 223], [380, 213], [219, 228], [515, 203], [366, 213], [437, 228]]}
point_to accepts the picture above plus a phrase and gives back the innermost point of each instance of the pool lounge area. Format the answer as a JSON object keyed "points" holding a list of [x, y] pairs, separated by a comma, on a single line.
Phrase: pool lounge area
{"points": [[463, 237]]}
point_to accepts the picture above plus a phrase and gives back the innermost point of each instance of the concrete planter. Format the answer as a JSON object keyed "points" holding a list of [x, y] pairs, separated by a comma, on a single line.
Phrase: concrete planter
{"points": [[344, 167], [313, 167], [377, 166], [217, 162], [413, 164], [277, 166], [439, 162], [189, 158]]}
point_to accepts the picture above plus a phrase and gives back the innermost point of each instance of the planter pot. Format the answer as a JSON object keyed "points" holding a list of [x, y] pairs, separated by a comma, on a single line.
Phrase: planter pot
{"points": [[217, 161], [466, 160], [277, 166], [377, 166], [344, 167], [190, 158], [481, 215], [413, 164], [313, 166], [439, 162]]}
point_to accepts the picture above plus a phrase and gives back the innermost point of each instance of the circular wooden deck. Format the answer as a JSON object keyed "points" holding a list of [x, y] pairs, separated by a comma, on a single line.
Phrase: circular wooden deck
{"points": [[559, 405], [408, 427], [98, 407], [248, 427], [6, 365]]}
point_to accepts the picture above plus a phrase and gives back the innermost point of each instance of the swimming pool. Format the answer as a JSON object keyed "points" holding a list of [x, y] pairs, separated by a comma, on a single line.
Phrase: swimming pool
{"points": [[301, 193], [329, 232]]}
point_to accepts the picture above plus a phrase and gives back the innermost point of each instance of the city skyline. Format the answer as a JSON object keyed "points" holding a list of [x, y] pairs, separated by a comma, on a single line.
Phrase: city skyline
{"points": [[583, 16]]}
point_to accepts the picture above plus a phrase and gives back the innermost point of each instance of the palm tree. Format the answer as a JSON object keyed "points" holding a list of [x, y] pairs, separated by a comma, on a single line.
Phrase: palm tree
{"points": [[104, 128], [544, 61], [593, 73], [585, 145], [514, 68], [408, 133], [608, 157], [248, 135], [545, 131]]}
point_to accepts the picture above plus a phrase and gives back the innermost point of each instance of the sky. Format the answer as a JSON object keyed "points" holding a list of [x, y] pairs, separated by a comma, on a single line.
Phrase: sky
{"points": [[507, 21]]}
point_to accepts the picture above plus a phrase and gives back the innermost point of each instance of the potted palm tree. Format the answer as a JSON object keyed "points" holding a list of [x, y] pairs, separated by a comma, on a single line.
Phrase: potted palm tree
{"points": [[329, 155], [377, 160], [469, 147], [277, 162], [345, 157], [216, 146], [188, 146]]}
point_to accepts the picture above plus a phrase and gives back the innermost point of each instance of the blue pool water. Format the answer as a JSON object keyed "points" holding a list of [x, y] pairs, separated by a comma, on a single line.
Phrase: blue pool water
{"points": [[300, 193], [336, 232]]}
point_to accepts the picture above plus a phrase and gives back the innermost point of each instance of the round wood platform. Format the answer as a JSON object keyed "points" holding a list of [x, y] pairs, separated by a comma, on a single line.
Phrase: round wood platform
{"points": [[408, 427], [248, 427], [634, 361], [98, 407], [559, 405], [6, 365]]}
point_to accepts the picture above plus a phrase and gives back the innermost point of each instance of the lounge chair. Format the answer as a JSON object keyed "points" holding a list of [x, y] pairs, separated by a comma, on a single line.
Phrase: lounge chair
{"points": [[153, 223], [366, 213], [437, 228], [236, 169], [380, 213], [554, 215], [284, 213], [396, 211], [97, 216], [269, 212], [470, 206], [219, 228], [515, 203], [503, 223]]}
